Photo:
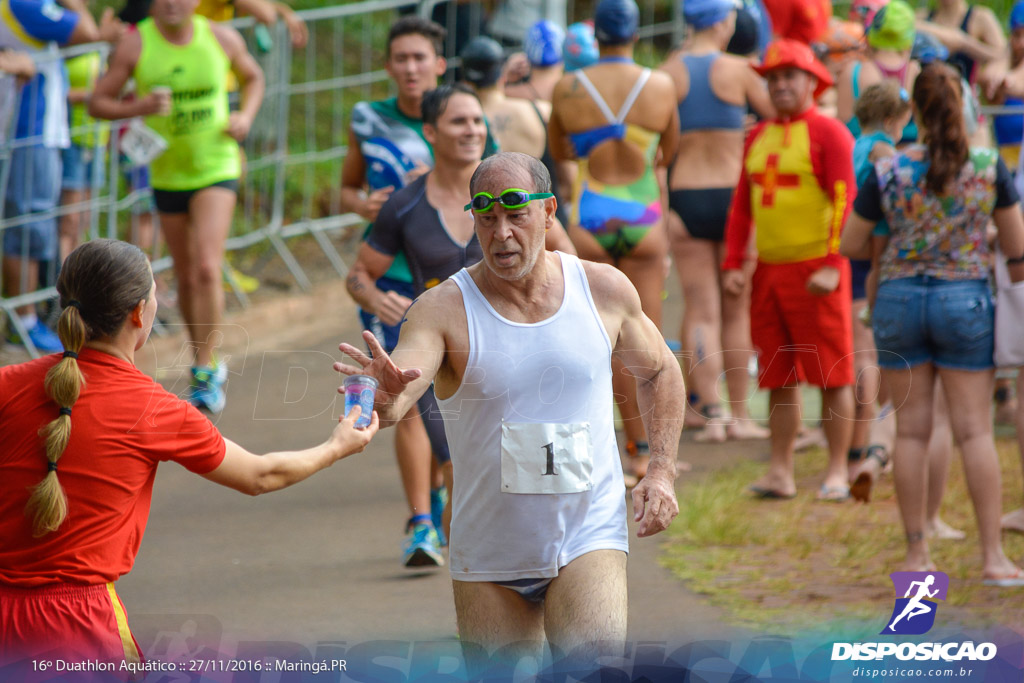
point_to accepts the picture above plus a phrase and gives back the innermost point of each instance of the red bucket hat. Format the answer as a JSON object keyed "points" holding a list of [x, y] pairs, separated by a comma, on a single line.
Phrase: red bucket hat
{"points": [[785, 53]]}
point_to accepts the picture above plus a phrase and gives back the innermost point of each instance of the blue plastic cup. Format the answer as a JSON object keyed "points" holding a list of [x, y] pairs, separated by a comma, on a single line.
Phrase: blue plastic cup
{"points": [[360, 390]]}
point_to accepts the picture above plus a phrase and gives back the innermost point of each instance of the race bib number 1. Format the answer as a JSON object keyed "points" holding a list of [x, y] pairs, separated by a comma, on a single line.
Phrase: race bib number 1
{"points": [[546, 458]]}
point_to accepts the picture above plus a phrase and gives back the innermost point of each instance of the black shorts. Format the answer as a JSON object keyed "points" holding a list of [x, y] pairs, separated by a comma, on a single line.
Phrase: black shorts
{"points": [[176, 201], [704, 212]]}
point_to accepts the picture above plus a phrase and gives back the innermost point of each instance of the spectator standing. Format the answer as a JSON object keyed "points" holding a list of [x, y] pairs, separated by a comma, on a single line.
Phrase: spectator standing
{"points": [[41, 131], [934, 310], [794, 189], [79, 462], [713, 91]]}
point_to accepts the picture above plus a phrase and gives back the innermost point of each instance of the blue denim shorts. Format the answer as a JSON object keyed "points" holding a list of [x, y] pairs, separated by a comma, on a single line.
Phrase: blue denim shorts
{"points": [[926, 320], [83, 168], [33, 187]]}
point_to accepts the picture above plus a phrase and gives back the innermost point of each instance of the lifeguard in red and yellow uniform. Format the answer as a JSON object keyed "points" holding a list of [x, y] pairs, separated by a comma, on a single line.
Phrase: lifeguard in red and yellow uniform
{"points": [[796, 187]]}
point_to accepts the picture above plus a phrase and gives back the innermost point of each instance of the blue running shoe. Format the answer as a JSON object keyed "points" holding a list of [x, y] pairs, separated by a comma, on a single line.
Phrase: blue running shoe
{"points": [[422, 547], [438, 499], [207, 389], [42, 337]]}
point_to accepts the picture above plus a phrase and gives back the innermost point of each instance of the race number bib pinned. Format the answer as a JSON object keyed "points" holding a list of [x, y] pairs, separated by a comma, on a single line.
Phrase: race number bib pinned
{"points": [[141, 144], [546, 458]]}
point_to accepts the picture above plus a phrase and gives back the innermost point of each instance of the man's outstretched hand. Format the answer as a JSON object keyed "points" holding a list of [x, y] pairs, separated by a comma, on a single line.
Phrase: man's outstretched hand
{"points": [[391, 380]]}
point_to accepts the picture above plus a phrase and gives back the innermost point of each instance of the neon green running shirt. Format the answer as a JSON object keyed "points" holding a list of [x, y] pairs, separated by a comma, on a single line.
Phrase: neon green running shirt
{"points": [[199, 151]]}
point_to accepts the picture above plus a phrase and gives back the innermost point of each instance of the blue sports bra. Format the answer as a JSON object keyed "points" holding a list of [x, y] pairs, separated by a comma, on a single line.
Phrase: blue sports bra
{"points": [[584, 141], [702, 109]]}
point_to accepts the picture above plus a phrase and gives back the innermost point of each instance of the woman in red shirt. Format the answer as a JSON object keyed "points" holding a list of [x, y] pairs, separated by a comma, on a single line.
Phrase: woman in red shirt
{"points": [[75, 493]]}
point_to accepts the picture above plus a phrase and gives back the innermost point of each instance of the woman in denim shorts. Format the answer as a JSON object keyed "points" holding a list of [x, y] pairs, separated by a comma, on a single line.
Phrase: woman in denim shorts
{"points": [[934, 309]]}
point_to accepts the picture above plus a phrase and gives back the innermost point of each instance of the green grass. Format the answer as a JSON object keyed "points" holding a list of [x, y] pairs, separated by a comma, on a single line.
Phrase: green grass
{"points": [[800, 565]]}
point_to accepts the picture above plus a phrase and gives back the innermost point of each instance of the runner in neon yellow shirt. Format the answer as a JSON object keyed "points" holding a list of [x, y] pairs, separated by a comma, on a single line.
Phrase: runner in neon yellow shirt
{"points": [[195, 179]]}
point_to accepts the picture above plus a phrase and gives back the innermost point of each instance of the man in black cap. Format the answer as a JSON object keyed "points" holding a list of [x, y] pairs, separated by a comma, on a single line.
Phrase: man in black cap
{"points": [[514, 122]]}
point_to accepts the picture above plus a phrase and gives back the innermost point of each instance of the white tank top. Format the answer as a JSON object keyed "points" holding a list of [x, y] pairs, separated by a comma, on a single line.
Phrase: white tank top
{"points": [[538, 481]]}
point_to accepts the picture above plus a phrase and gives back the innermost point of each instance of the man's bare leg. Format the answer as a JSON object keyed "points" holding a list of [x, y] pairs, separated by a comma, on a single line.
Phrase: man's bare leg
{"points": [[495, 619], [412, 451], [784, 422], [585, 608], [837, 417]]}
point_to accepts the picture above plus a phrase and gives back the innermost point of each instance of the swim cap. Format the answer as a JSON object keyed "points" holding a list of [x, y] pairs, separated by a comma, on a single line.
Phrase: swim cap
{"points": [[864, 11], [702, 14], [843, 42], [482, 59], [1017, 15], [746, 38], [616, 21], [927, 49], [543, 44], [580, 47], [893, 27]]}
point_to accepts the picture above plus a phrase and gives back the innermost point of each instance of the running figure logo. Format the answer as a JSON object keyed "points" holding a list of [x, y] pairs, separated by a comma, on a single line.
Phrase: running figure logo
{"points": [[914, 613]]}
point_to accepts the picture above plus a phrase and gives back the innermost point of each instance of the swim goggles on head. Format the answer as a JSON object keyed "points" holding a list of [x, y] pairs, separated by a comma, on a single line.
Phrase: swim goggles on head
{"points": [[513, 198]]}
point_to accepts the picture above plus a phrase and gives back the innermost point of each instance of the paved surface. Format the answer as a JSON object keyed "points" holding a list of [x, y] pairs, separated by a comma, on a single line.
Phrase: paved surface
{"points": [[319, 562]]}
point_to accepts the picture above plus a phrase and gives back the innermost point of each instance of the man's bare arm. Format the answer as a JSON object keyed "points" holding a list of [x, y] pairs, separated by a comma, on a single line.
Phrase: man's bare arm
{"points": [[403, 376], [361, 283], [660, 392]]}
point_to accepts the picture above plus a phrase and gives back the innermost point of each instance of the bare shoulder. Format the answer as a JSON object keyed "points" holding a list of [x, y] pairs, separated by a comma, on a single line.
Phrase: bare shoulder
{"points": [[563, 86], [128, 49], [521, 108], [662, 81], [736, 64], [229, 39], [436, 305], [611, 289], [983, 14]]}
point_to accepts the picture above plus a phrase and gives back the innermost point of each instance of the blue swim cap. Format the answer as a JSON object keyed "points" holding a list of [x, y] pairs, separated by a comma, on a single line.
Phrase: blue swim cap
{"points": [[580, 48], [1017, 15], [543, 44], [702, 14], [928, 49], [616, 21]]}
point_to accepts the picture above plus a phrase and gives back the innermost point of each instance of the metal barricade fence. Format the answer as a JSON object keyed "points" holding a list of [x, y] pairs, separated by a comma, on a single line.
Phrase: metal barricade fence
{"points": [[291, 183]]}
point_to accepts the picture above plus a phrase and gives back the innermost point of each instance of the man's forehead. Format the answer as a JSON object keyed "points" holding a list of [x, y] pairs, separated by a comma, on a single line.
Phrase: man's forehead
{"points": [[461, 104], [412, 43], [502, 177]]}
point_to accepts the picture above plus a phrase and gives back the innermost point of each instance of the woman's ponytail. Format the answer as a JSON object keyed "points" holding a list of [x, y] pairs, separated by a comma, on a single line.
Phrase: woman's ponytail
{"points": [[939, 102], [48, 506]]}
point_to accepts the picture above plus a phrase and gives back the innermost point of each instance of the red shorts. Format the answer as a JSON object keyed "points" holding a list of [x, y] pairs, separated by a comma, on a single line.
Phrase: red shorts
{"points": [[801, 337], [65, 623]]}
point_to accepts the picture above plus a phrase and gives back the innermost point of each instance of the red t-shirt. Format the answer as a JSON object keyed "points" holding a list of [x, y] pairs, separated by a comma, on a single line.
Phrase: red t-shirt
{"points": [[122, 426], [803, 20]]}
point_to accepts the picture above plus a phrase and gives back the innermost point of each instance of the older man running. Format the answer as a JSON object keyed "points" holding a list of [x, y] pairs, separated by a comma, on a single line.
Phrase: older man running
{"points": [[519, 348]]}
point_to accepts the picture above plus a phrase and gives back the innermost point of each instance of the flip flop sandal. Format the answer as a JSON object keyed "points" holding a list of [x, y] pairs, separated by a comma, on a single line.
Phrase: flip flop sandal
{"points": [[833, 494], [763, 493], [860, 489], [1012, 581]]}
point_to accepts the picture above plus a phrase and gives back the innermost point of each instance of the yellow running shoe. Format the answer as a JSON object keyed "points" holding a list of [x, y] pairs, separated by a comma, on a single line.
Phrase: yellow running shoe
{"points": [[246, 283]]}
